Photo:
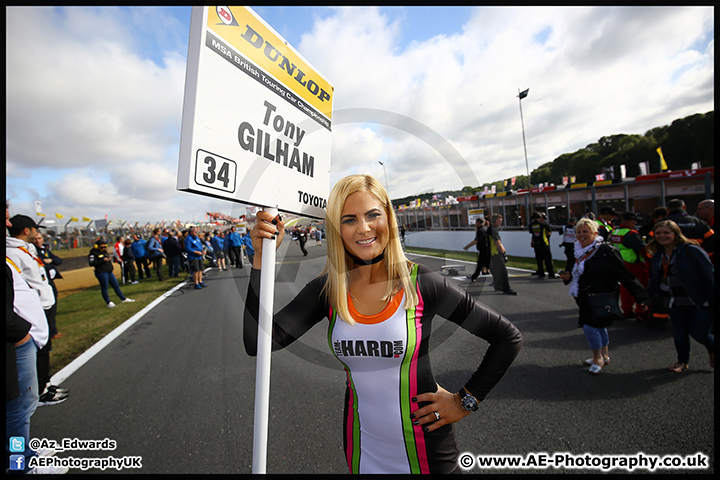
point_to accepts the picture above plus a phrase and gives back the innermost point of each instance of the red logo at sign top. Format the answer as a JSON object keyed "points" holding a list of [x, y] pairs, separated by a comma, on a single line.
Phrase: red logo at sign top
{"points": [[225, 15]]}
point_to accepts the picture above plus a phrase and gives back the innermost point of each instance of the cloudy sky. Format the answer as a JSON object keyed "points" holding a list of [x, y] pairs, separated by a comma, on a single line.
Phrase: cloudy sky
{"points": [[94, 95]]}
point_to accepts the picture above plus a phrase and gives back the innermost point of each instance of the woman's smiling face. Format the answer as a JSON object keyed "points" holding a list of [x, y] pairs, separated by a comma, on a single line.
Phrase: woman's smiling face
{"points": [[665, 236], [364, 225], [585, 236]]}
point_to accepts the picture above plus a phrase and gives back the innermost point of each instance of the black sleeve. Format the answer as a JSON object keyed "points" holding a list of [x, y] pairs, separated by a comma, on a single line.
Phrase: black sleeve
{"points": [[549, 229], [653, 276], [704, 269], [55, 259], [604, 233], [297, 317], [449, 301]]}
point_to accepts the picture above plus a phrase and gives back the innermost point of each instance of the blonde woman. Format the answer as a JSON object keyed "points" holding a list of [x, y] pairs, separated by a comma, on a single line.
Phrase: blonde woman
{"points": [[598, 269], [380, 308]]}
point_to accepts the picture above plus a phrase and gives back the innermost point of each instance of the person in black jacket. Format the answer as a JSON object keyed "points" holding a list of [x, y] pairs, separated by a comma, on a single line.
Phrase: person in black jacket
{"points": [[482, 242], [101, 261], [540, 232], [692, 227], [128, 259], [173, 251], [51, 262], [302, 239], [49, 394], [598, 269]]}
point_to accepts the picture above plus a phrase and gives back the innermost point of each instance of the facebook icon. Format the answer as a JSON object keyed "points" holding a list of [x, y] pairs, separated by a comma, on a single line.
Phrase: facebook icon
{"points": [[17, 462]]}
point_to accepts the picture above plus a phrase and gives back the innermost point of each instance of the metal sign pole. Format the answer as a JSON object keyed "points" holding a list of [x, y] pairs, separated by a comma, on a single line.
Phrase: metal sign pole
{"points": [[264, 348]]}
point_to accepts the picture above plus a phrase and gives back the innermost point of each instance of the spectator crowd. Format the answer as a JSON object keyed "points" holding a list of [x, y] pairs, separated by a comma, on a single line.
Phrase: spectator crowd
{"points": [[661, 271], [657, 273]]}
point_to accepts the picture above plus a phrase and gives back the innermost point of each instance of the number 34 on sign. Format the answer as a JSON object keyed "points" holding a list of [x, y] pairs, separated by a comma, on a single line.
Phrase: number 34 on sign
{"points": [[215, 172]]}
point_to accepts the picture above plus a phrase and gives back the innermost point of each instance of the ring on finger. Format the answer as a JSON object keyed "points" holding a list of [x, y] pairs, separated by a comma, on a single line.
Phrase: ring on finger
{"points": [[437, 415]]}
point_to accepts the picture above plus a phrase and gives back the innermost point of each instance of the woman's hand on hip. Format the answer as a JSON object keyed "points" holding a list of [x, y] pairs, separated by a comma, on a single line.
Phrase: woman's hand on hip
{"points": [[446, 404]]}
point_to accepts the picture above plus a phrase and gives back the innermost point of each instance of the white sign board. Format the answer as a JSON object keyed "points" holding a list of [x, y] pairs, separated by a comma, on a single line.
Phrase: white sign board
{"points": [[475, 214], [257, 117]]}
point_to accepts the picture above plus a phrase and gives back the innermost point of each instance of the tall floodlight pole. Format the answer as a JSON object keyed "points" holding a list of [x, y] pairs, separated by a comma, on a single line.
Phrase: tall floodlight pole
{"points": [[522, 95], [387, 185]]}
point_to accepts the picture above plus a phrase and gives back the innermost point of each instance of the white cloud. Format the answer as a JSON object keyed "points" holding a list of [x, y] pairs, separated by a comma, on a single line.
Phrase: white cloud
{"points": [[78, 96], [591, 72], [94, 191], [77, 104], [355, 147]]}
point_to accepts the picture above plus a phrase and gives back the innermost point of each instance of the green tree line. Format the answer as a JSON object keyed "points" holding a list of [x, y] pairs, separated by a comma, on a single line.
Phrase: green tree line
{"points": [[684, 142]]}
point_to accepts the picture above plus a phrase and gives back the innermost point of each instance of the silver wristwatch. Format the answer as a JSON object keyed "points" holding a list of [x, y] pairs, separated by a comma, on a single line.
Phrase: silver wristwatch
{"points": [[468, 402]]}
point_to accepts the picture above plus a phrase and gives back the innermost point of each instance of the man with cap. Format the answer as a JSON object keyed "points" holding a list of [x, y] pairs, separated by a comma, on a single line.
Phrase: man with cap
{"points": [[26, 330], [19, 248], [632, 249], [604, 220]]}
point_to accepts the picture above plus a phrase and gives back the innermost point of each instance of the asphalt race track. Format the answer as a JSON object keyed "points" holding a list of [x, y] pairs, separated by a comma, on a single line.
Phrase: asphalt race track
{"points": [[177, 388]]}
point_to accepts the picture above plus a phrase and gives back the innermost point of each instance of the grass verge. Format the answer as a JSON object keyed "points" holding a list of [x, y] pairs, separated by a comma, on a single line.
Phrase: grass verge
{"points": [[84, 319]]}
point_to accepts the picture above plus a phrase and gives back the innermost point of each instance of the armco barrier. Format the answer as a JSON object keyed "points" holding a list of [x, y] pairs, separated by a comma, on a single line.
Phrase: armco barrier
{"points": [[517, 242]]}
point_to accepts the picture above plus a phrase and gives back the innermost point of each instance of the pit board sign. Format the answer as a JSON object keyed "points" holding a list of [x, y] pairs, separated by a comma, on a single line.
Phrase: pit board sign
{"points": [[474, 215], [257, 116]]}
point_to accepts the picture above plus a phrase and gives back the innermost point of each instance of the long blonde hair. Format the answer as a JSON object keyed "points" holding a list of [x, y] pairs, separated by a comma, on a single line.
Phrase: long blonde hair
{"points": [[339, 263]]}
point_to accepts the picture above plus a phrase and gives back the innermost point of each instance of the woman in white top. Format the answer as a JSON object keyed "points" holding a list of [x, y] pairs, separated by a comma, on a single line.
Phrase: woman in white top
{"points": [[380, 308]]}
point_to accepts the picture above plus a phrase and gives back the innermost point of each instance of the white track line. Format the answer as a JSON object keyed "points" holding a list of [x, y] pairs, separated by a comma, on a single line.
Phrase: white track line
{"points": [[463, 261], [85, 357]]}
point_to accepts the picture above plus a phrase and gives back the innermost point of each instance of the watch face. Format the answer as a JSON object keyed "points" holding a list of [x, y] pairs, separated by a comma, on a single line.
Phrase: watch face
{"points": [[469, 403]]}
